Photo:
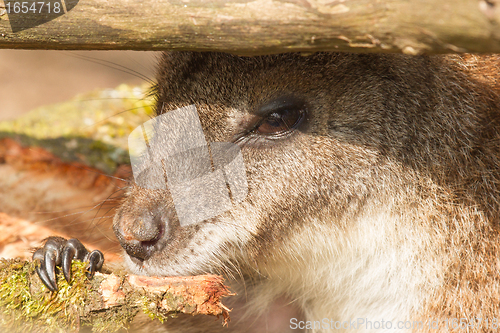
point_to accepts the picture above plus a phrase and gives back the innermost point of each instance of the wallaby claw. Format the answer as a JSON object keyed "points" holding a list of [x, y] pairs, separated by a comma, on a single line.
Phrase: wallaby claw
{"points": [[58, 251], [95, 259]]}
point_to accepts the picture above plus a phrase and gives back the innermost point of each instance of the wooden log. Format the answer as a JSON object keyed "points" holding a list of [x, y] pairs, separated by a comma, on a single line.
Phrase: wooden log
{"points": [[107, 302], [250, 27]]}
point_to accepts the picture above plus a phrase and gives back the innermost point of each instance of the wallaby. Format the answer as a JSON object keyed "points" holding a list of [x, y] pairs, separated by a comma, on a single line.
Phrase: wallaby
{"points": [[373, 193]]}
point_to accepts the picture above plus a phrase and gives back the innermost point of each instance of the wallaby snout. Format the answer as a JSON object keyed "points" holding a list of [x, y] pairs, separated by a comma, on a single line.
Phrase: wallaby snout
{"points": [[138, 235], [142, 229]]}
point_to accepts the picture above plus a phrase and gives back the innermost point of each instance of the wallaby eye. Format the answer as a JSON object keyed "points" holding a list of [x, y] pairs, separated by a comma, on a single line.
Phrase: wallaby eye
{"points": [[282, 120]]}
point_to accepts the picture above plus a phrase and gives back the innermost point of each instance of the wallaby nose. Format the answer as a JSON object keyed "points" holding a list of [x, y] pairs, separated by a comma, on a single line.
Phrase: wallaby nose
{"points": [[138, 235]]}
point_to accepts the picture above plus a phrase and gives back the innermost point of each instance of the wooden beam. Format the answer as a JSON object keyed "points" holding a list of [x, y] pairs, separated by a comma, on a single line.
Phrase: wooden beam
{"points": [[251, 27]]}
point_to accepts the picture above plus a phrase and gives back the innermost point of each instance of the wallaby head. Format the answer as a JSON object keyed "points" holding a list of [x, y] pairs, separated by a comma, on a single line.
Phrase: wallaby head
{"points": [[373, 183]]}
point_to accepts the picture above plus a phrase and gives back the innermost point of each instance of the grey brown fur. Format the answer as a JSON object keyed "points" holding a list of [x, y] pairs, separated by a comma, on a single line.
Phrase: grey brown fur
{"points": [[382, 204]]}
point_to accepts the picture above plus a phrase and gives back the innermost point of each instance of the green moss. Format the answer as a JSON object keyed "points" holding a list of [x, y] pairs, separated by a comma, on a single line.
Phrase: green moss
{"points": [[150, 308], [115, 320], [25, 307], [92, 128]]}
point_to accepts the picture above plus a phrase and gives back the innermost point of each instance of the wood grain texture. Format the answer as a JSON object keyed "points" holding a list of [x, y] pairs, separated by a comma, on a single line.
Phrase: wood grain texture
{"points": [[268, 26]]}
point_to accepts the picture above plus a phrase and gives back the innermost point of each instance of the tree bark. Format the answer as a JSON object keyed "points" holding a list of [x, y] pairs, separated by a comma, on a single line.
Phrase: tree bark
{"points": [[107, 302], [250, 27]]}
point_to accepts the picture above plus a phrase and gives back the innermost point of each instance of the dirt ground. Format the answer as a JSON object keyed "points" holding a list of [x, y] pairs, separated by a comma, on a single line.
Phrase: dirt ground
{"points": [[33, 78]]}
